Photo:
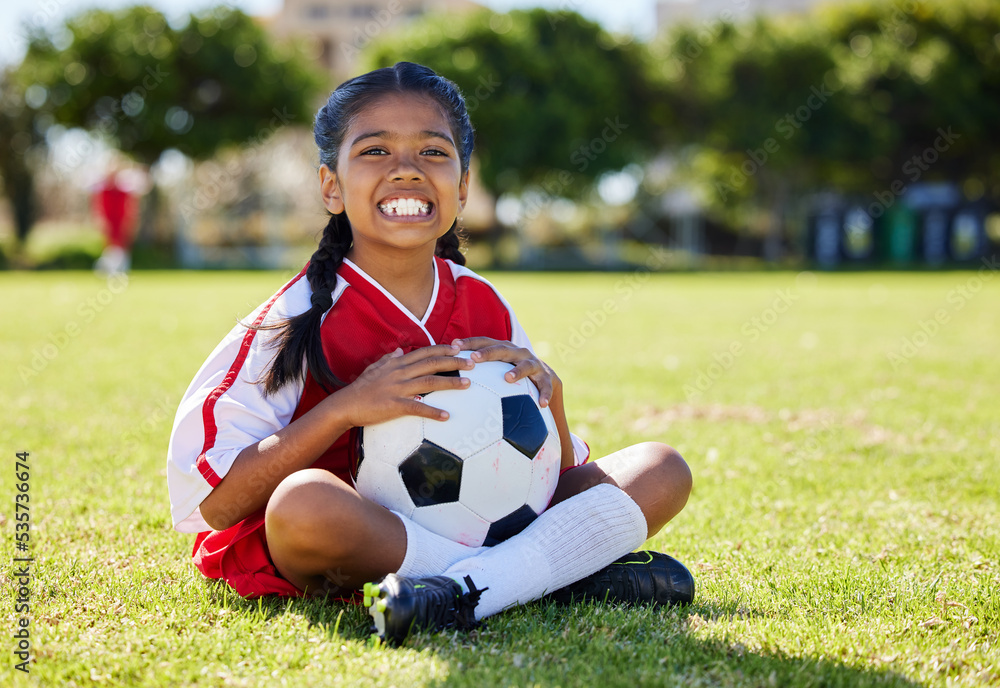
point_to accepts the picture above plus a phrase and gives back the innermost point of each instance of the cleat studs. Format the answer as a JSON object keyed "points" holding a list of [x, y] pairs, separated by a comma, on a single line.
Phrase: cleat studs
{"points": [[368, 601], [381, 605], [370, 590]]}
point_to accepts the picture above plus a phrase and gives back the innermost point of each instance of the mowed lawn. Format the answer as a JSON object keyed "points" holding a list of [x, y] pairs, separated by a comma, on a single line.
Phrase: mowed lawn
{"points": [[844, 528]]}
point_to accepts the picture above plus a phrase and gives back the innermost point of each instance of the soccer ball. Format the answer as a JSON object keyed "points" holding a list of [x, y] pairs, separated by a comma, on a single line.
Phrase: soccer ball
{"points": [[477, 478]]}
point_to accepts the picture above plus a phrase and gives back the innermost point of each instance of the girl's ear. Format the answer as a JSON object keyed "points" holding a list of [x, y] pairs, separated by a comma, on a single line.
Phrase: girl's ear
{"points": [[463, 191], [332, 198]]}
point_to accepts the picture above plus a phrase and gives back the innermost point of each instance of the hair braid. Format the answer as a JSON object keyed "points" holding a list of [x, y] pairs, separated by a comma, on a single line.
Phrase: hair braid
{"points": [[300, 335], [449, 245]]}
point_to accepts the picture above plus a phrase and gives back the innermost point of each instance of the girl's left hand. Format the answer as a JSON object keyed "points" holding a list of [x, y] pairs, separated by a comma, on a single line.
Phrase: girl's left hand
{"points": [[526, 365]]}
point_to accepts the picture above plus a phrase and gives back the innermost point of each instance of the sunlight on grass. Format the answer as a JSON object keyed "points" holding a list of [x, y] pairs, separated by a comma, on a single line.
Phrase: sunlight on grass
{"points": [[843, 528]]}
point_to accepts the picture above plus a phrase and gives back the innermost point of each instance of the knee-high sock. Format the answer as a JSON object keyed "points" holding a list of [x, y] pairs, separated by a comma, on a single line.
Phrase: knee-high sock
{"points": [[429, 554], [569, 541]]}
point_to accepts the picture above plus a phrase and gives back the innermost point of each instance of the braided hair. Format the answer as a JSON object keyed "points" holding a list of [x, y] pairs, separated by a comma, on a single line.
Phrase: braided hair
{"points": [[298, 338]]}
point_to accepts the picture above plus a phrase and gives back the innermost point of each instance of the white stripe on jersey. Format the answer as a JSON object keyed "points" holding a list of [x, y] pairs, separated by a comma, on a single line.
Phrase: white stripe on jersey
{"points": [[242, 415]]}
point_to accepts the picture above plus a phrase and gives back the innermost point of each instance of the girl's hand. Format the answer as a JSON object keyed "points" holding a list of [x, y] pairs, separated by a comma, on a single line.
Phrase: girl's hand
{"points": [[390, 387], [526, 365]]}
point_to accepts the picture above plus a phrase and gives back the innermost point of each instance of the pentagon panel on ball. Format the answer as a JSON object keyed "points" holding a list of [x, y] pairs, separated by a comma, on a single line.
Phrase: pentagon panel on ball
{"points": [[479, 477]]}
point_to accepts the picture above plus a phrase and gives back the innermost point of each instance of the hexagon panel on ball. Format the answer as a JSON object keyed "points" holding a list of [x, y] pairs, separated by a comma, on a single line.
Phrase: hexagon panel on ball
{"points": [[380, 481], [488, 374], [523, 425], [453, 521], [496, 481], [510, 526], [475, 419], [545, 474], [392, 439], [432, 475], [523, 386]]}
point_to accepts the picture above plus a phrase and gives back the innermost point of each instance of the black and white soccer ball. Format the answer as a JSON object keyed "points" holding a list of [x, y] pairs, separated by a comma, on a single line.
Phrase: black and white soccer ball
{"points": [[477, 478]]}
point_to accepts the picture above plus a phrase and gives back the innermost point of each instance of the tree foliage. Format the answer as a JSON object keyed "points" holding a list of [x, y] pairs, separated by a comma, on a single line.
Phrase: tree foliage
{"points": [[19, 136], [850, 98], [128, 74], [555, 100], [916, 71]]}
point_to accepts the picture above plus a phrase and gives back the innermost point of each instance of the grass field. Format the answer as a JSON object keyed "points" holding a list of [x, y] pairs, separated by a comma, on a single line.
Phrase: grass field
{"points": [[844, 528]]}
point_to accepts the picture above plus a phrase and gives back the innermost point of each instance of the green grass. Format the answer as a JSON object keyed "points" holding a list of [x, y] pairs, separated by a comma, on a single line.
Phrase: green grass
{"points": [[843, 528]]}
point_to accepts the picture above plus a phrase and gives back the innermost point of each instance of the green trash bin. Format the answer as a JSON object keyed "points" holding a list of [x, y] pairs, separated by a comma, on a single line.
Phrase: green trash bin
{"points": [[900, 233]]}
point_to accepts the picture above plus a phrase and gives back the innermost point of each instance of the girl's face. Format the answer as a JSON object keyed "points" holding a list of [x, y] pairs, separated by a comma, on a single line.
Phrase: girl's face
{"points": [[398, 175]]}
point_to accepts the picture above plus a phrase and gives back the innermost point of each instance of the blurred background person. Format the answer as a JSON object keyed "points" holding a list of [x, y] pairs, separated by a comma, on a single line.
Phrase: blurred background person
{"points": [[115, 204]]}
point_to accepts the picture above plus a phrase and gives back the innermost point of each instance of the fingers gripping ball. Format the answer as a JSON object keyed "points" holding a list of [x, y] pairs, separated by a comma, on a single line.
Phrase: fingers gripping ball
{"points": [[477, 478]]}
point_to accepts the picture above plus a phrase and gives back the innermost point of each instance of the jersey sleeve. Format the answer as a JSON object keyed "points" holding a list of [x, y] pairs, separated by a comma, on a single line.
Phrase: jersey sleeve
{"points": [[224, 409]]}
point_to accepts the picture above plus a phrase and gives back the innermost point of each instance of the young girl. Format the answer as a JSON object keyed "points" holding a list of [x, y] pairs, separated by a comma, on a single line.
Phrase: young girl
{"points": [[258, 464]]}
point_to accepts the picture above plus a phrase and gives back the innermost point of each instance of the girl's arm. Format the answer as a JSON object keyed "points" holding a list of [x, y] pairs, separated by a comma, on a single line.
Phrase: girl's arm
{"points": [[386, 389], [527, 365], [260, 467], [568, 460]]}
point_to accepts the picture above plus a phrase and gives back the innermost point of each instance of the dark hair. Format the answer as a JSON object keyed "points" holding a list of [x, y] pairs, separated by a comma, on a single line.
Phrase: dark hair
{"points": [[299, 336]]}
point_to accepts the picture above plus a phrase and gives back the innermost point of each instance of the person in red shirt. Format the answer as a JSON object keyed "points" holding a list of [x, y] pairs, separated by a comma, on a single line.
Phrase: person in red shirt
{"points": [[258, 463], [115, 205]]}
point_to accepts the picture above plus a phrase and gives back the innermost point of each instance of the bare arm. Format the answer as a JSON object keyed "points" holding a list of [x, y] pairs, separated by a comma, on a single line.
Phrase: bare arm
{"points": [[386, 389], [260, 467], [568, 458]]}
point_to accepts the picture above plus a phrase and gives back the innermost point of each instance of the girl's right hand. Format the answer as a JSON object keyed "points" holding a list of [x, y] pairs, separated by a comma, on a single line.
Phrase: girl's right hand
{"points": [[390, 387]]}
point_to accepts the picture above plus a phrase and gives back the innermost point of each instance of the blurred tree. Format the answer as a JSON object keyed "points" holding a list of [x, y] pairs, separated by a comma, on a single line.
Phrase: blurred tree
{"points": [[555, 100], [924, 77], [763, 103], [20, 140], [146, 86], [851, 98]]}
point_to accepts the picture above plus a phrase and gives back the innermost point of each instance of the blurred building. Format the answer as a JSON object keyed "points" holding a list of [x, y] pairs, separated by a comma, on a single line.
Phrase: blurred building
{"points": [[669, 12], [343, 28]]}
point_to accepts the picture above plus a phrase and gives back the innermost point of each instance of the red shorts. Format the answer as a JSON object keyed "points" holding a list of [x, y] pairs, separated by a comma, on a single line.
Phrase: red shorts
{"points": [[239, 556]]}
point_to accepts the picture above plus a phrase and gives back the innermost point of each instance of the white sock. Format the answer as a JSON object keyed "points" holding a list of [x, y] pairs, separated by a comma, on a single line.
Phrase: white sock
{"points": [[568, 542], [429, 554]]}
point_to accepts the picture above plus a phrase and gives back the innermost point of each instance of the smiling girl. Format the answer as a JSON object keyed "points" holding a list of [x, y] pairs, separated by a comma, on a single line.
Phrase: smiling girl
{"points": [[258, 463]]}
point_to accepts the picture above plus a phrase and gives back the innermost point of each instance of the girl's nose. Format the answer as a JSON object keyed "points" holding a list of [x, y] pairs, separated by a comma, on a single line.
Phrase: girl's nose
{"points": [[405, 169]]}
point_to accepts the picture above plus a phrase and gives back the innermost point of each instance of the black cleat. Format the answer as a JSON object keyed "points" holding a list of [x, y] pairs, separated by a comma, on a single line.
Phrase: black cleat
{"points": [[400, 605], [636, 578]]}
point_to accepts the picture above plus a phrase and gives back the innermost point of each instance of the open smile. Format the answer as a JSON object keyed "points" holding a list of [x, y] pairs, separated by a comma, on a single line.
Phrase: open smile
{"points": [[406, 207]]}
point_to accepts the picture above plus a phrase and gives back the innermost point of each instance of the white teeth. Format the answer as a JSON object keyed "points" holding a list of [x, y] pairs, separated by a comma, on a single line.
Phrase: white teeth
{"points": [[405, 206]]}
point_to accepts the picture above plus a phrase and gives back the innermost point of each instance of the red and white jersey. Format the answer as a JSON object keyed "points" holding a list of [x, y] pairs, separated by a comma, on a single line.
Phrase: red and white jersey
{"points": [[224, 410]]}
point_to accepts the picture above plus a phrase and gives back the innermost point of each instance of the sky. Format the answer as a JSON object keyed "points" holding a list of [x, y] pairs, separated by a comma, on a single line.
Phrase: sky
{"points": [[635, 16]]}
